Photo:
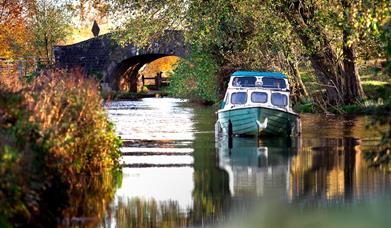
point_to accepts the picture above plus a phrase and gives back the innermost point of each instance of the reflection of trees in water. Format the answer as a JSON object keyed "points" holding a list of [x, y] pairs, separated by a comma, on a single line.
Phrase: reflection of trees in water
{"points": [[88, 199], [333, 169], [211, 194], [318, 172], [136, 212], [330, 165]]}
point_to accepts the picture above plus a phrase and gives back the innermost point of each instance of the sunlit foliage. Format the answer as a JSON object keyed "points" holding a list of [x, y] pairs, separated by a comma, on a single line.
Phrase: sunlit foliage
{"points": [[49, 25], [32, 28], [195, 78], [14, 35], [54, 134]]}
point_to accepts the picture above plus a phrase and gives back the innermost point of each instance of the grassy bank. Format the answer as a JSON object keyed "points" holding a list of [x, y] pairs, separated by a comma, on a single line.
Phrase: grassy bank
{"points": [[376, 86], [54, 138]]}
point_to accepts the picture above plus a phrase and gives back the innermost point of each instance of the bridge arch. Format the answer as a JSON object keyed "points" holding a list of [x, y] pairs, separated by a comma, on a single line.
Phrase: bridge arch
{"points": [[125, 75], [102, 56]]}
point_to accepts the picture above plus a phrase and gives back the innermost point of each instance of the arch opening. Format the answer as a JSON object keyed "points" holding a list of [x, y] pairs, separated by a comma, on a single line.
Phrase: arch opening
{"points": [[132, 74]]}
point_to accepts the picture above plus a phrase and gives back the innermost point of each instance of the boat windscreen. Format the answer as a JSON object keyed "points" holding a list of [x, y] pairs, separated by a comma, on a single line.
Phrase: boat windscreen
{"points": [[244, 81], [273, 83]]}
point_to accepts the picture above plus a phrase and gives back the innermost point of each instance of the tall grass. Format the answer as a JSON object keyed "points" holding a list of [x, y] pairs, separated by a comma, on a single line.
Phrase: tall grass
{"points": [[54, 133]]}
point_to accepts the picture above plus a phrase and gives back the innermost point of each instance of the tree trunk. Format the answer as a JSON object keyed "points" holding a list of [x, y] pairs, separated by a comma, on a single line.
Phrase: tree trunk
{"points": [[321, 53], [353, 89], [296, 75]]}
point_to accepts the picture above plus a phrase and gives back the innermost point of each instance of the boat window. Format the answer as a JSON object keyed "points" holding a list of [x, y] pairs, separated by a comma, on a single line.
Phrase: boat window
{"points": [[279, 100], [273, 83], [244, 81], [259, 97], [239, 98]]}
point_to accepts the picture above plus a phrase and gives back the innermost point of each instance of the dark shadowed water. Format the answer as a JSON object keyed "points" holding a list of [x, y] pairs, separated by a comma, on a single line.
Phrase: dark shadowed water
{"points": [[175, 174]]}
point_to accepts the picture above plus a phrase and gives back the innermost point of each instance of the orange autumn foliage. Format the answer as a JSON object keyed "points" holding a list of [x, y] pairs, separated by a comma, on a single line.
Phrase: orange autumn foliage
{"points": [[164, 65], [14, 34]]}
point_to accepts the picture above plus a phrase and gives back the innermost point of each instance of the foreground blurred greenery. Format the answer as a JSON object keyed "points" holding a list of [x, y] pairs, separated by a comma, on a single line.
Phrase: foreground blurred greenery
{"points": [[360, 215], [56, 147]]}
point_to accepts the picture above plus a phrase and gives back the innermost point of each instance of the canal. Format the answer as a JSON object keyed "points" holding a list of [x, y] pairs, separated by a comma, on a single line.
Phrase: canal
{"points": [[175, 174]]}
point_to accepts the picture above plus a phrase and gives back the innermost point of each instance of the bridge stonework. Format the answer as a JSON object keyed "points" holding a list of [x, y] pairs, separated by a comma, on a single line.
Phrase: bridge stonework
{"points": [[103, 57]]}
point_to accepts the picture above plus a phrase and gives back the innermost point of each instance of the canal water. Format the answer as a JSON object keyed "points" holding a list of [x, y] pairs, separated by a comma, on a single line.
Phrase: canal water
{"points": [[175, 174]]}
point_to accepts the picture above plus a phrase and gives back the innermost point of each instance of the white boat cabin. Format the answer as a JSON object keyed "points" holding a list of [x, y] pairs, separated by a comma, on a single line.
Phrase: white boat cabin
{"points": [[257, 89]]}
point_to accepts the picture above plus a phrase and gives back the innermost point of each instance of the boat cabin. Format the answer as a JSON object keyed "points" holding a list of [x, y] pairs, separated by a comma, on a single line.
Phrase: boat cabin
{"points": [[266, 89]]}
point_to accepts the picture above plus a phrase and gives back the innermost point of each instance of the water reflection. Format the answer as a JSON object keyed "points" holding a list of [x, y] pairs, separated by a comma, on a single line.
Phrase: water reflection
{"points": [[330, 166], [88, 200], [136, 212], [211, 196], [178, 175], [256, 168], [334, 170]]}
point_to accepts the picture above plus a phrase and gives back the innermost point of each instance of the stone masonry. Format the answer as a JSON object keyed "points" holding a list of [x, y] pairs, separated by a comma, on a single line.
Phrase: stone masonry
{"points": [[103, 57]]}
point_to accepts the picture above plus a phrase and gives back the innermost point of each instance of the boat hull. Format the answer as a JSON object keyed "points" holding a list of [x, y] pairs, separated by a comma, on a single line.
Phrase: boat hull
{"points": [[252, 121]]}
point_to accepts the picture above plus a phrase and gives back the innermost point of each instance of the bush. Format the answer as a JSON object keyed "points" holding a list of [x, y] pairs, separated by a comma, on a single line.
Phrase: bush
{"points": [[305, 106], [54, 133], [194, 78]]}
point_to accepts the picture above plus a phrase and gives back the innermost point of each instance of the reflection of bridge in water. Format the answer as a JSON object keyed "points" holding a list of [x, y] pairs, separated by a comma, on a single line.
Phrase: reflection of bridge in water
{"points": [[118, 66]]}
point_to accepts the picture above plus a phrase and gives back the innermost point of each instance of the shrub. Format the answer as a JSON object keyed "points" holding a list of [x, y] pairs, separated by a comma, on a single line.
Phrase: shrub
{"points": [[54, 133]]}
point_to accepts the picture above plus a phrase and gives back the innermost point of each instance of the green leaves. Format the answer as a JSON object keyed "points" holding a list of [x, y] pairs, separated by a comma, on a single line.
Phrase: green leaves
{"points": [[194, 78]]}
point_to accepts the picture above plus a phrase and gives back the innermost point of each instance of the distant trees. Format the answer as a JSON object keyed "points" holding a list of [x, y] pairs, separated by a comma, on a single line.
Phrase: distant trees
{"points": [[13, 30], [32, 28], [50, 24]]}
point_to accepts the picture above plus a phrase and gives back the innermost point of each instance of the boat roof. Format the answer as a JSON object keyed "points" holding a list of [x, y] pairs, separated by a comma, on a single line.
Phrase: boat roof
{"points": [[255, 73]]}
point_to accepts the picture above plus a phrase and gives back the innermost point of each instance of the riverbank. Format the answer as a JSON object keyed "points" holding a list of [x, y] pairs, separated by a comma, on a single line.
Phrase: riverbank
{"points": [[56, 147], [377, 88]]}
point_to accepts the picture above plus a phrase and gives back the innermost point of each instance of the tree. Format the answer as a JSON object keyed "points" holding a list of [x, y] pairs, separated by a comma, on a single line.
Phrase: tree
{"points": [[50, 25], [325, 28], [323, 56], [14, 35]]}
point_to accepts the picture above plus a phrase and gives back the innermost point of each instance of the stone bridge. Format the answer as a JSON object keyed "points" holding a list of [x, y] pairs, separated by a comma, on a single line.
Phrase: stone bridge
{"points": [[117, 66]]}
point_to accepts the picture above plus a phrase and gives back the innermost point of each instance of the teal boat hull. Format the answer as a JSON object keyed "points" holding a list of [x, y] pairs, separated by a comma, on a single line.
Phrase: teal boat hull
{"points": [[244, 121]]}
